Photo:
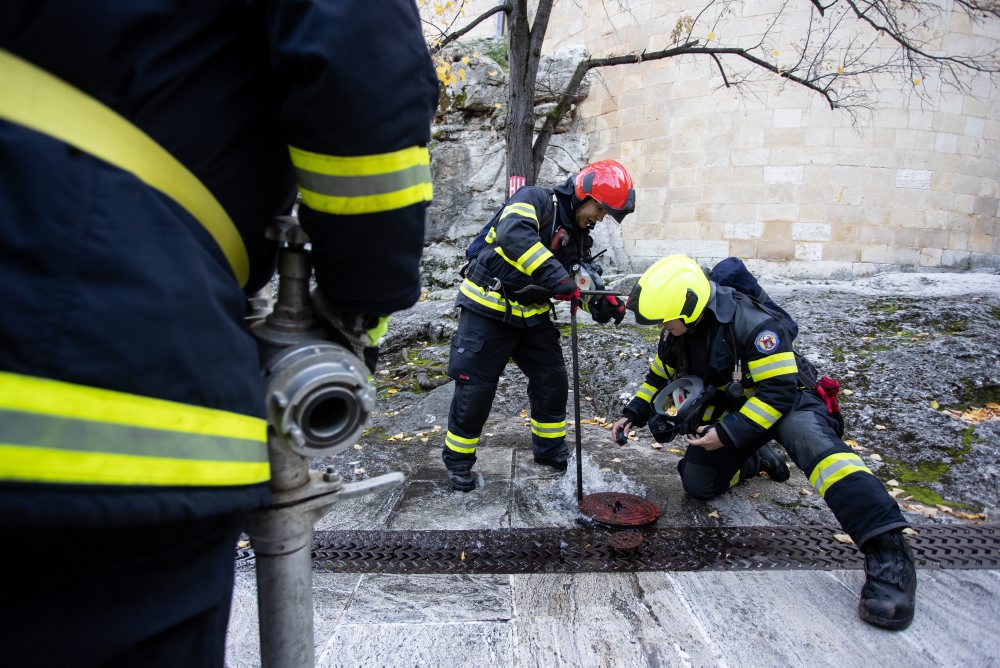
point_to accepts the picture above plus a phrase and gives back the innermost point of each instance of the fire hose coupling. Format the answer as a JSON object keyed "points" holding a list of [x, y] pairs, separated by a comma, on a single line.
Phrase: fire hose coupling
{"points": [[318, 398]]}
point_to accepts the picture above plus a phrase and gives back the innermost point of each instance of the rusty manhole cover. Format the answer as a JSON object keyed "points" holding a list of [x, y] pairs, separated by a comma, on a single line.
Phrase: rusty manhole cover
{"points": [[625, 542], [619, 509]]}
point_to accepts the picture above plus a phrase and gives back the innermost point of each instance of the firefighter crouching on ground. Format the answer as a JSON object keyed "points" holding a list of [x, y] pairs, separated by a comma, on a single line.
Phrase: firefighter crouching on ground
{"points": [[722, 337], [145, 147], [540, 234]]}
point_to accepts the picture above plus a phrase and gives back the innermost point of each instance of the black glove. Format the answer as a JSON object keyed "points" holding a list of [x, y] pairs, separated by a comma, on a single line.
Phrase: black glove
{"points": [[604, 308], [358, 332]]}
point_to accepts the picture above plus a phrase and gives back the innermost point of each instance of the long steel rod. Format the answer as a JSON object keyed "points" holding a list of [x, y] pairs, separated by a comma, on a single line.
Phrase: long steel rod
{"points": [[576, 400]]}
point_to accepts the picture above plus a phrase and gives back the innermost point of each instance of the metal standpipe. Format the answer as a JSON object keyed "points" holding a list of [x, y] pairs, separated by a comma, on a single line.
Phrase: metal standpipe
{"points": [[318, 402]]}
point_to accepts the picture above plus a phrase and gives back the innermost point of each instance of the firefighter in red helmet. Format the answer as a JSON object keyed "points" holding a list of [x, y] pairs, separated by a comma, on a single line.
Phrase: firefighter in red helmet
{"points": [[529, 249]]}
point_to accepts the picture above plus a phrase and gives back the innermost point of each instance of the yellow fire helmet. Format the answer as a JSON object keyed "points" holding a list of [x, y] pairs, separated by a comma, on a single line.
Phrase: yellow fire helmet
{"points": [[673, 288]]}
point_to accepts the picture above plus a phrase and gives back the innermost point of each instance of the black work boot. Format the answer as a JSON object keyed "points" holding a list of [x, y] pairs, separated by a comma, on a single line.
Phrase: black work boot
{"points": [[772, 464], [888, 597], [461, 481], [557, 462]]}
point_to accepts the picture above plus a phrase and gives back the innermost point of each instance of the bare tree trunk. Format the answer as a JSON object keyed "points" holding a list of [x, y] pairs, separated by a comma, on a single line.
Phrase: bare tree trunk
{"points": [[524, 51]]}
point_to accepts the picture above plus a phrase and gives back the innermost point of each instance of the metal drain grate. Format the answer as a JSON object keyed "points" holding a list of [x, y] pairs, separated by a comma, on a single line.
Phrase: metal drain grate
{"points": [[663, 548]]}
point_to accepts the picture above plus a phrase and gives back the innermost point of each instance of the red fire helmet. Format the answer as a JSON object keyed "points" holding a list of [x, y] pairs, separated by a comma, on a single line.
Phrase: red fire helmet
{"points": [[610, 184]]}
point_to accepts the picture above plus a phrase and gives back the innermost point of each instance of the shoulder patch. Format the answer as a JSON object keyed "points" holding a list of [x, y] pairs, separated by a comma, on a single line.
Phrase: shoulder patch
{"points": [[767, 341]]}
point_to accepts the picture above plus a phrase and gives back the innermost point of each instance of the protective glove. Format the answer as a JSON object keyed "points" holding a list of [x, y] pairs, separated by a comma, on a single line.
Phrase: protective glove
{"points": [[604, 308], [358, 332], [568, 291]]}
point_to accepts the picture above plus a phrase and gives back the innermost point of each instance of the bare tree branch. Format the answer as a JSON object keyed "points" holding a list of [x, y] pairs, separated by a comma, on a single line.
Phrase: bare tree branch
{"points": [[458, 34]]}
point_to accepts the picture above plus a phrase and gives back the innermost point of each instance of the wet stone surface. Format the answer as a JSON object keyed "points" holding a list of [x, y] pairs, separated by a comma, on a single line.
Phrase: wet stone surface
{"points": [[907, 348]]}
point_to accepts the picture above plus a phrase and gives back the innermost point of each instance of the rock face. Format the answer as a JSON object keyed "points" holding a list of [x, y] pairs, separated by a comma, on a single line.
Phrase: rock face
{"points": [[467, 153], [915, 355]]}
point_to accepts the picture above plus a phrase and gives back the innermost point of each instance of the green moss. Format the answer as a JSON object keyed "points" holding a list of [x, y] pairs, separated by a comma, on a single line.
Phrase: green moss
{"points": [[956, 326], [497, 50], [887, 307], [915, 480]]}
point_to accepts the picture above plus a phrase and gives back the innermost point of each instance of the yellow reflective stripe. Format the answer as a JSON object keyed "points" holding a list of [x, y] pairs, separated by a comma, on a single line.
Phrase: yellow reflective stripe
{"points": [[53, 431], [834, 468], [657, 368], [493, 300], [522, 209], [56, 398], [460, 444], [761, 413], [548, 429], [29, 464], [352, 185], [491, 235], [773, 365], [534, 257], [32, 97], [646, 392]]}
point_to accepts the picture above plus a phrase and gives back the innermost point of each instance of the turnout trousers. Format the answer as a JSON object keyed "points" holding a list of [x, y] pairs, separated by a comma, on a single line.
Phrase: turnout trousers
{"points": [[149, 595], [808, 433], [480, 350]]}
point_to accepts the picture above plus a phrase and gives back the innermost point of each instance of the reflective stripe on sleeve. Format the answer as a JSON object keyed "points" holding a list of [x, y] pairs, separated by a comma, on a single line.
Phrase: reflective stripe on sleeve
{"points": [[759, 412], [461, 444], [548, 429], [773, 365], [646, 393], [522, 209], [834, 468], [529, 260], [57, 432], [351, 185], [659, 369]]}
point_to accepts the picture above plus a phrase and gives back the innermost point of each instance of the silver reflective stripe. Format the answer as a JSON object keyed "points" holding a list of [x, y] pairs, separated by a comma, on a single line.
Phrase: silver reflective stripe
{"points": [[359, 186], [765, 417], [59, 433]]}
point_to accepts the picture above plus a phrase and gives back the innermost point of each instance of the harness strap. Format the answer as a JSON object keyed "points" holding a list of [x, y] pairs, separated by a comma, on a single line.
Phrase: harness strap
{"points": [[35, 99]]}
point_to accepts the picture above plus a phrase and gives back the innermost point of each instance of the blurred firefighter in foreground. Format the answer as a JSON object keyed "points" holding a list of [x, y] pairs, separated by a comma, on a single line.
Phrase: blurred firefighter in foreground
{"points": [[728, 361], [533, 250], [145, 147]]}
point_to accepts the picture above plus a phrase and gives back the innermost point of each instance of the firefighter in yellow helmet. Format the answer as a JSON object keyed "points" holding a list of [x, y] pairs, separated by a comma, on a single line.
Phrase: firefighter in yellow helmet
{"points": [[761, 390]]}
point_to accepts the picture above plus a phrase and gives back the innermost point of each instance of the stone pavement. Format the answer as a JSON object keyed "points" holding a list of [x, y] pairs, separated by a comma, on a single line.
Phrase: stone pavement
{"points": [[718, 618]]}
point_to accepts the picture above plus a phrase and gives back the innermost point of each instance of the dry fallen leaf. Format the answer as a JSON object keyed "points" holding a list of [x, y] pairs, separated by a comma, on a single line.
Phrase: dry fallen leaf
{"points": [[876, 457], [677, 451], [489, 433], [893, 483], [656, 446], [880, 427], [357, 446], [805, 491], [524, 413], [935, 405], [463, 555], [605, 469], [359, 471], [437, 427], [755, 495], [843, 538], [392, 390], [910, 532], [896, 492], [243, 543], [848, 392], [616, 460], [714, 514]]}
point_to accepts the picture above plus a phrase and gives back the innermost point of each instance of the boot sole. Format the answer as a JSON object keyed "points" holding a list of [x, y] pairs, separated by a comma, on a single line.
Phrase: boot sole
{"points": [[890, 624]]}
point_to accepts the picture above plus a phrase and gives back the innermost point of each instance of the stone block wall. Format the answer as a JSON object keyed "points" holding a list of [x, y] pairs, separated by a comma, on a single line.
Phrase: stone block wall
{"points": [[776, 177]]}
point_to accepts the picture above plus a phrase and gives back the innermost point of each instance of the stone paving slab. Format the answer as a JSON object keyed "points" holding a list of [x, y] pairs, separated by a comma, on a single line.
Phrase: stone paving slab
{"points": [[633, 619]]}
